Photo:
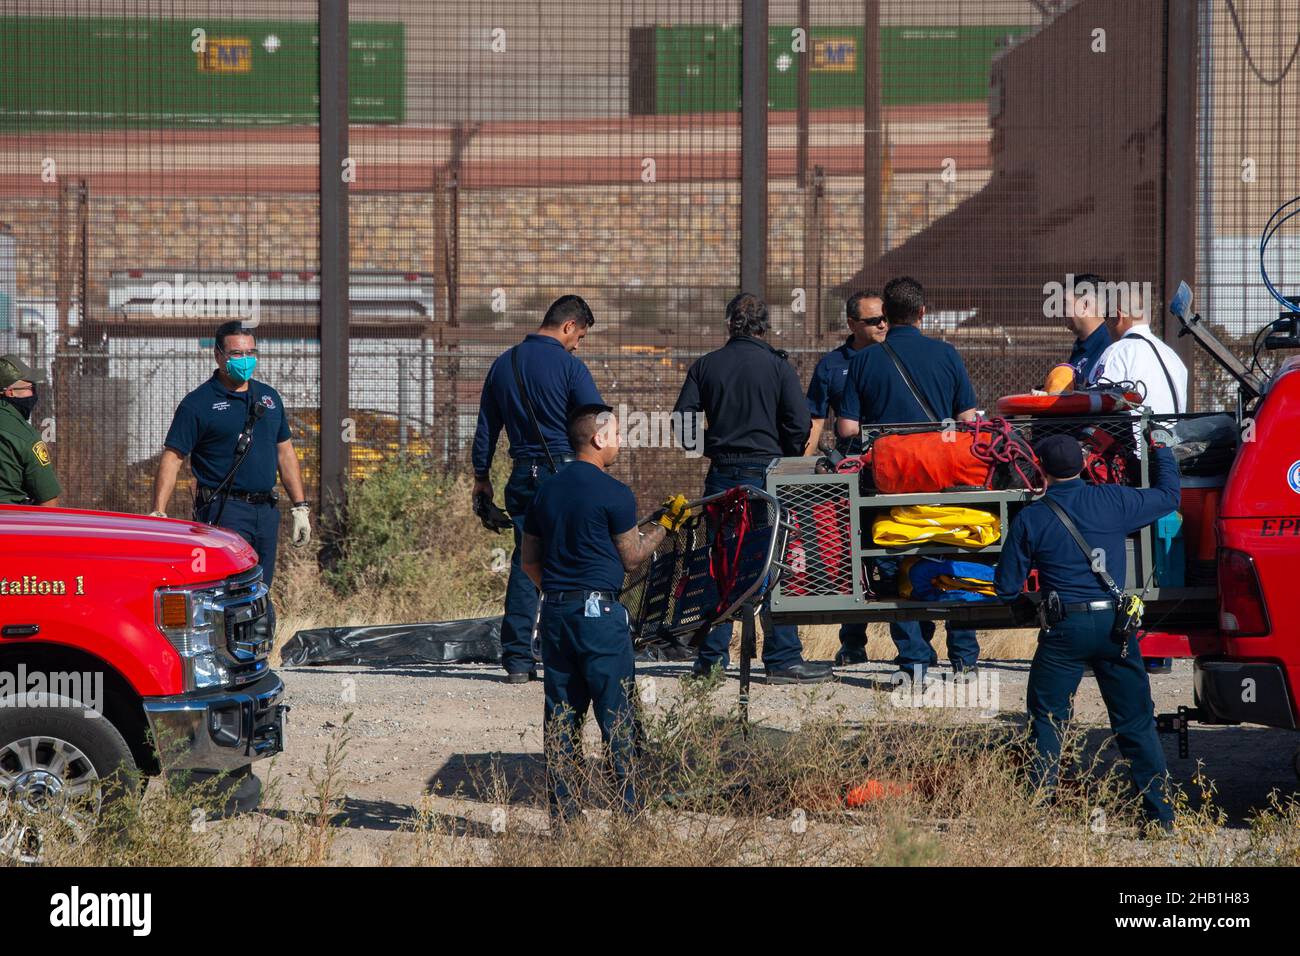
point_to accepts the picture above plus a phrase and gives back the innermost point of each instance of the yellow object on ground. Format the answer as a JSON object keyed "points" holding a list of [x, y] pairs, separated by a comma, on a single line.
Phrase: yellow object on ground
{"points": [[935, 524]]}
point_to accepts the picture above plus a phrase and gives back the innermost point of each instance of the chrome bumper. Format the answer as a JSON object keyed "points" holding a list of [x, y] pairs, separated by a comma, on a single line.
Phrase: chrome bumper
{"points": [[219, 730]]}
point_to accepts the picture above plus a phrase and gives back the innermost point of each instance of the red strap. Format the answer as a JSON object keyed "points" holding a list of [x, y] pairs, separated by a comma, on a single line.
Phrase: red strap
{"points": [[728, 512]]}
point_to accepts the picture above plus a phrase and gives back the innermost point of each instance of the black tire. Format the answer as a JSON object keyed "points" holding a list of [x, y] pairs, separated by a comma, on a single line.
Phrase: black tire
{"points": [[95, 741]]}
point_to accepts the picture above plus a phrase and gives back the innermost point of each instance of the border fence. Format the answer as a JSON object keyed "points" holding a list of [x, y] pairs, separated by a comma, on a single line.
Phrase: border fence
{"points": [[399, 188]]}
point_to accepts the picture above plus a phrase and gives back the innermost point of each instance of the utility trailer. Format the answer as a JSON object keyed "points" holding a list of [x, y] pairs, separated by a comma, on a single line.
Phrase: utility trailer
{"points": [[807, 545], [830, 552]]}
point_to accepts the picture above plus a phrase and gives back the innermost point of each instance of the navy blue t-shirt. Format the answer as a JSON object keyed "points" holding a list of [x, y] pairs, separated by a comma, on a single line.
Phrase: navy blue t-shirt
{"points": [[577, 513], [826, 389], [557, 382], [876, 393], [1087, 351], [206, 427], [1105, 516]]}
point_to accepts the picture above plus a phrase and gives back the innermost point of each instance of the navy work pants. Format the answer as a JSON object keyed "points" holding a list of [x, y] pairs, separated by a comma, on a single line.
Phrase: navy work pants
{"points": [[588, 663], [259, 525], [781, 647], [1085, 638], [526, 476]]}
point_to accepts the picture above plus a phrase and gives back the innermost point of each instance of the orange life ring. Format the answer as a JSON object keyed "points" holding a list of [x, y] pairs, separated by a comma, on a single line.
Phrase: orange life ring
{"points": [[1094, 402]]}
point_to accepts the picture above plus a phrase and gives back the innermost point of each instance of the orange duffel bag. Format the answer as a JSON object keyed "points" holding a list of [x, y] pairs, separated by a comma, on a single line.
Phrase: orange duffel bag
{"points": [[926, 462]]}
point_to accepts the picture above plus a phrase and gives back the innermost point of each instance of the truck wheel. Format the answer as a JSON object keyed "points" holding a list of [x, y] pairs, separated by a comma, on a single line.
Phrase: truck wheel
{"points": [[56, 764], [1295, 764]]}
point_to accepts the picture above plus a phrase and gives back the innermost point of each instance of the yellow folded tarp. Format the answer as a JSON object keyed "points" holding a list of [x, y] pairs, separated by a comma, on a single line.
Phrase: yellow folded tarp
{"points": [[945, 582], [935, 524]]}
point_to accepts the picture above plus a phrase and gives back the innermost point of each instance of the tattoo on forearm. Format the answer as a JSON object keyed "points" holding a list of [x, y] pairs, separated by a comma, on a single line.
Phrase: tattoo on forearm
{"points": [[634, 547]]}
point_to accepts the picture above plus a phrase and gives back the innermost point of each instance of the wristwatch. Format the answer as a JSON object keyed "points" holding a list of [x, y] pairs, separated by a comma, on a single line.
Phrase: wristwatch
{"points": [[301, 504]]}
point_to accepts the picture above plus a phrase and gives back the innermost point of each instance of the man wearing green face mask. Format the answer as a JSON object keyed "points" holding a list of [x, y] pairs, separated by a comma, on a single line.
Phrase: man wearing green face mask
{"points": [[234, 430], [26, 474]]}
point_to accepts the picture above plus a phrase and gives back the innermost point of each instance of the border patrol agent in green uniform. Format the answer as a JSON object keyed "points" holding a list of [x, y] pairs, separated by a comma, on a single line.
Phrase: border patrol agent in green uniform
{"points": [[26, 471]]}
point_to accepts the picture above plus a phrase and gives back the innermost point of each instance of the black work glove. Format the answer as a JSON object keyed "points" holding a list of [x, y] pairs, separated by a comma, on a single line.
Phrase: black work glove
{"points": [[1024, 609], [493, 518]]}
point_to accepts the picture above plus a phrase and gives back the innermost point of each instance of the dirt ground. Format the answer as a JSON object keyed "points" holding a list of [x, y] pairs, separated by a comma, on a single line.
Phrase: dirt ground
{"points": [[436, 729]]}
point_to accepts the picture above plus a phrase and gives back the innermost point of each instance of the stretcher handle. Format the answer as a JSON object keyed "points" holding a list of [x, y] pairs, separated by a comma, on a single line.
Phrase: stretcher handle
{"points": [[699, 503]]}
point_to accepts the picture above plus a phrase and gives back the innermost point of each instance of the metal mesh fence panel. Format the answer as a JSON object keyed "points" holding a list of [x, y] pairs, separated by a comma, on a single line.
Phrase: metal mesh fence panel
{"points": [[560, 147], [158, 177], [819, 551], [503, 152], [1249, 98]]}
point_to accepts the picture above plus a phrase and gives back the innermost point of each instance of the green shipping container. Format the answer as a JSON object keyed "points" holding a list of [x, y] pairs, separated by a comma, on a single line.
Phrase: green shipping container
{"points": [[689, 69], [79, 72]]}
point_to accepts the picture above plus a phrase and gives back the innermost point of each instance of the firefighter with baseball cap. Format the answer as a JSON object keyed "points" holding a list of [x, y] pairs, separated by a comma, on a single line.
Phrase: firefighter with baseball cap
{"points": [[26, 471], [1074, 536]]}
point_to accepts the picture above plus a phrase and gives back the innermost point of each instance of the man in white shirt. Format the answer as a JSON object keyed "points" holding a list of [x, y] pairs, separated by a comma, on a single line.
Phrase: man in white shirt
{"points": [[1136, 354]]}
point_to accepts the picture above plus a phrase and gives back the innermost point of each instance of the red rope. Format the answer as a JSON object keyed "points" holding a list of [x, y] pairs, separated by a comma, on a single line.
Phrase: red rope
{"points": [[997, 443], [729, 511]]}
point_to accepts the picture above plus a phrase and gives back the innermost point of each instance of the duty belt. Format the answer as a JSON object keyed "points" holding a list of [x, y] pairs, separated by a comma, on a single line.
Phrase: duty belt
{"points": [[204, 495], [535, 465], [1090, 606], [578, 595]]}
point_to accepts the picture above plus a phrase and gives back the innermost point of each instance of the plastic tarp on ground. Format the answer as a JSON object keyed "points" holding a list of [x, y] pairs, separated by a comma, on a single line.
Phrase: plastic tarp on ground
{"points": [[477, 640]]}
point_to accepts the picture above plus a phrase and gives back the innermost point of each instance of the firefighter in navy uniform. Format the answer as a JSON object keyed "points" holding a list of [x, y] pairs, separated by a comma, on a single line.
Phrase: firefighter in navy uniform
{"points": [[235, 489], [555, 382], [580, 537], [751, 398], [908, 378], [1086, 321], [26, 472], [1082, 628], [865, 314]]}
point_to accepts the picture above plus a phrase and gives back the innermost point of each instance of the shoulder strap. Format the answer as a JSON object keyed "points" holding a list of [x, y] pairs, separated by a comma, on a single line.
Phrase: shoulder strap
{"points": [[528, 407], [242, 445], [254, 401], [907, 380], [1071, 527], [1173, 392]]}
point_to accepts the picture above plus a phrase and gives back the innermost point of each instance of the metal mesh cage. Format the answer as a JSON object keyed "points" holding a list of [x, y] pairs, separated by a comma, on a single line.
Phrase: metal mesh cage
{"points": [[819, 550]]}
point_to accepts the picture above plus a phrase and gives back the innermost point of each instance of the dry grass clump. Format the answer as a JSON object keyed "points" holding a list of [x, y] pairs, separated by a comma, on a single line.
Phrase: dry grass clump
{"points": [[933, 791], [928, 790]]}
